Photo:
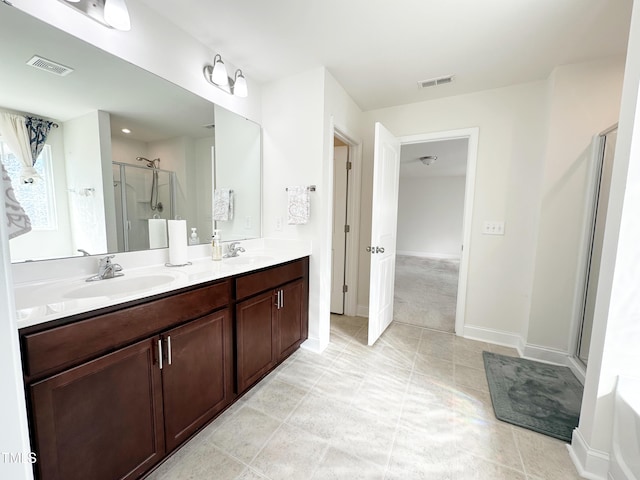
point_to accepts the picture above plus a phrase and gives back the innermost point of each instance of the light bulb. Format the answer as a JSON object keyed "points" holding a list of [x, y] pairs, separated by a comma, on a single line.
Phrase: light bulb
{"points": [[219, 74], [240, 85], [116, 14]]}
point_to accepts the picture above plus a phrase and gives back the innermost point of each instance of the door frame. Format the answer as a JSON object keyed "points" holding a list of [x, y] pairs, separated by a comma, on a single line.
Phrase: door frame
{"points": [[472, 135], [353, 216]]}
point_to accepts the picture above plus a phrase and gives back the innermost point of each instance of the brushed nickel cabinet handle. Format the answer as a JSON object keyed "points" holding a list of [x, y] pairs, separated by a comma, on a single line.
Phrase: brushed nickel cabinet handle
{"points": [[169, 349], [160, 353]]}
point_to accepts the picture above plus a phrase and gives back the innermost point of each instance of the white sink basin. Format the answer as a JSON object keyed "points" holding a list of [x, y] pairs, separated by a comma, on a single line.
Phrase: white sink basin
{"points": [[119, 285], [248, 259]]}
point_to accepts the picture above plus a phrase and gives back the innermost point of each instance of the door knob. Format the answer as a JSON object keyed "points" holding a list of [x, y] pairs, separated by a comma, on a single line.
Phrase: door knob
{"points": [[379, 249], [369, 250]]}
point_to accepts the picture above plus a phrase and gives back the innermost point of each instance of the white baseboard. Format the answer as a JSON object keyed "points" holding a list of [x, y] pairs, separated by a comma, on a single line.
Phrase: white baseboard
{"points": [[498, 337], [577, 368], [591, 464], [443, 256], [362, 311], [546, 355]]}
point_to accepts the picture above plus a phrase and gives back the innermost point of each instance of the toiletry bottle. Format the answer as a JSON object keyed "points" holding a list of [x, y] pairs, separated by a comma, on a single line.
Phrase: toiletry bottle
{"points": [[193, 238], [216, 252]]}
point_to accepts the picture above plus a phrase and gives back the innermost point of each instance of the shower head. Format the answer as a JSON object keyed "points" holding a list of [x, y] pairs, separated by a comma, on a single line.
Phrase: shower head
{"points": [[150, 163]]}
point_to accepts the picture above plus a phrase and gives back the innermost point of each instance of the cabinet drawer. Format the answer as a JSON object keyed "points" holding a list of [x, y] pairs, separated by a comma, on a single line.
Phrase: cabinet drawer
{"points": [[61, 347], [261, 281]]}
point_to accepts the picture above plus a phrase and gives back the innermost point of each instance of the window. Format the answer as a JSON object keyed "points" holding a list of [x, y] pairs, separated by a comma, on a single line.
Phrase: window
{"points": [[36, 198]]}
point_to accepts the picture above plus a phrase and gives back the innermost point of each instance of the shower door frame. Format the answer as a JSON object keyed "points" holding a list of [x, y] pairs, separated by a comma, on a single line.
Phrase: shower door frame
{"points": [[123, 196]]}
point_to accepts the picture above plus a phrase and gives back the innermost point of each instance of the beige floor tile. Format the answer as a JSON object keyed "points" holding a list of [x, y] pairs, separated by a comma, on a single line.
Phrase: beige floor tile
{"points": [[339, 385], [244, 434], [433, 367], [488, 439], [502, 350], [366, 436], [469, 467], [339, 465], [425, 394], [301, 372], [206, 463], [545, 457], [472, 402], [290, 453], [471, 377], [470, 344], [443, 351], [380, 398], [275, 398], [319, 415], [468, 357], [419, 456], [250, 474]]}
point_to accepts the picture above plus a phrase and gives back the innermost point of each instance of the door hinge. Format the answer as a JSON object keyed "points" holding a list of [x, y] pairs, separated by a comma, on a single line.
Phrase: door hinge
{"points": [[349, 165], [345, 288], [347, 229]]}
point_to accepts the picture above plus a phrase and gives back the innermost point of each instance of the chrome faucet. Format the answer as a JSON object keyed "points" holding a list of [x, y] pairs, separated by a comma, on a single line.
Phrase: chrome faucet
{"points": [[106, 269], [233, 250]]}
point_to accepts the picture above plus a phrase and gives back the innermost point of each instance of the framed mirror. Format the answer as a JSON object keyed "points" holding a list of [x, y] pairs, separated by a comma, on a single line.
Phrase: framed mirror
{"points": [[130, 150]]}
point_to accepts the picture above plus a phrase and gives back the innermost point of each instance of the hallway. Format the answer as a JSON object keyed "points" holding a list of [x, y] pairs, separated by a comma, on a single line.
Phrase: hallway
{"points": [[426, 291]]}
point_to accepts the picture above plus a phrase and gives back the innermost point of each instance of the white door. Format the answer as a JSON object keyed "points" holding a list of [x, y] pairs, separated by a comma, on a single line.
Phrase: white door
{"points": [[340, 157], [386, 172]]}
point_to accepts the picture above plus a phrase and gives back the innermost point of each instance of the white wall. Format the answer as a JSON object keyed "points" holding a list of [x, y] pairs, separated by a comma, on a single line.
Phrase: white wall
{"points": [[584, 100], [238, 150], [299, 113], [430, 213], [83, 156], [509, 169]]}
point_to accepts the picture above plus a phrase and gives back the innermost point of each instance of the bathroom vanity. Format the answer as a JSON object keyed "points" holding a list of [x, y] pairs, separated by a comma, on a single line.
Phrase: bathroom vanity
{"points": [[111, 392]]}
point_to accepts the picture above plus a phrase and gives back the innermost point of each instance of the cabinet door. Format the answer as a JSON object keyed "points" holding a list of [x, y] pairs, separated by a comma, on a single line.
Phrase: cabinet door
{"points": [[289, 324], [197, 375], [101, 420], [255, 342]]}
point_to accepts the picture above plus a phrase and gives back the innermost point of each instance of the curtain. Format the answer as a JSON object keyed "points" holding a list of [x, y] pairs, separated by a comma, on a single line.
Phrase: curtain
{"points": [[38, 129], [18, 222], [14, 132]]}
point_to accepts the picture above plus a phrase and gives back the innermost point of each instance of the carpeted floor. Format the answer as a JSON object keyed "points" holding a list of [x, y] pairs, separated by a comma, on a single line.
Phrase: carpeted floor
{"points": [[425, 292], [538, 396]]}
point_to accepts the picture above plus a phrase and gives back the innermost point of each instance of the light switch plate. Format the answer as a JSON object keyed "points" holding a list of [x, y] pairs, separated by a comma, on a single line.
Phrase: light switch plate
{"points": [[493, 228]]}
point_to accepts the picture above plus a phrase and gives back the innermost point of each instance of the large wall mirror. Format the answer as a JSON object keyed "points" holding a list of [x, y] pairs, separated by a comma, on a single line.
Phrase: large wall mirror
{"points": [[129, 152]]}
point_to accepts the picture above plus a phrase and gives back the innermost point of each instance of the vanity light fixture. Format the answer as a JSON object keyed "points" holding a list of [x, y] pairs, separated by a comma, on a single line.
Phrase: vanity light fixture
{"points": [[216, 74], [125, 130], [111, 13]]}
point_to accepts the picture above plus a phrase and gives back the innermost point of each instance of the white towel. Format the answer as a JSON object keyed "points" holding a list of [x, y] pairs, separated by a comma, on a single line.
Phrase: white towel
{"points": [[18, 222], [223, 204], [158, 233], [299, 205]]}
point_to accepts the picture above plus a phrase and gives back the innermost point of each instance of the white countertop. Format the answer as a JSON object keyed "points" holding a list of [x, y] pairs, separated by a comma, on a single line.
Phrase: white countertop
{"points": [[42, 300]]}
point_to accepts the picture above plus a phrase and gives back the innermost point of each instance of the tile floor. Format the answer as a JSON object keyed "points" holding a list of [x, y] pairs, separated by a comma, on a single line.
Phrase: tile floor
{"points": [[414, 406]]}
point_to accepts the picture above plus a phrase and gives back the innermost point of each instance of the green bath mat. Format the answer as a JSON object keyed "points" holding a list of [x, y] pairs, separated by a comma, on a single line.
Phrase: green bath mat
{"points": [[538, 396]]}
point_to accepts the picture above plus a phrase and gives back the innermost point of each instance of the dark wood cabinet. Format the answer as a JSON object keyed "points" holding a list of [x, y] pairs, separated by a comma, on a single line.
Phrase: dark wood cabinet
{"points": [[197, 375], [255, 345], [270, 325], [289, 325], [101, 420], [112, 393]]}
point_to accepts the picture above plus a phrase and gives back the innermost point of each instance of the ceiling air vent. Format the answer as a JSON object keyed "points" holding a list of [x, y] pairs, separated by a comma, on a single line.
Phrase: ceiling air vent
{"points": [[49, 66], [433, 82]]}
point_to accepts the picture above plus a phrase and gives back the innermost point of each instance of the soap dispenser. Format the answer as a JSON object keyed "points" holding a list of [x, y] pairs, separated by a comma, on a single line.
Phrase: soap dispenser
{"points": [[216, 246], [193, 238]]}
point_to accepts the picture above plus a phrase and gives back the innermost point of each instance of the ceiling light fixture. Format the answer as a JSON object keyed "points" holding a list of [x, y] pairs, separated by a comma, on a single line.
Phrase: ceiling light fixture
{"points": [[216, 74], [111, 13], [428, 159], [125, 130]]}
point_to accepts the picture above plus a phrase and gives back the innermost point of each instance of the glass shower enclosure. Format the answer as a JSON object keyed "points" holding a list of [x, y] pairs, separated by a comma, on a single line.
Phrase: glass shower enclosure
{"points": [[141, 194]]}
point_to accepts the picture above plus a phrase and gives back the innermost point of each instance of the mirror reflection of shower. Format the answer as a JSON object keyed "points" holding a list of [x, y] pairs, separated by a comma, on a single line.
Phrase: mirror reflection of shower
{"points": [[143, 194], [154, 204]]}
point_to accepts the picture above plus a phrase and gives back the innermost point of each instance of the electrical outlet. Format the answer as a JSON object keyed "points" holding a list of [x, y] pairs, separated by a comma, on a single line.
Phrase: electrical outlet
{"points": [[493, 228], [278, 224]]}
